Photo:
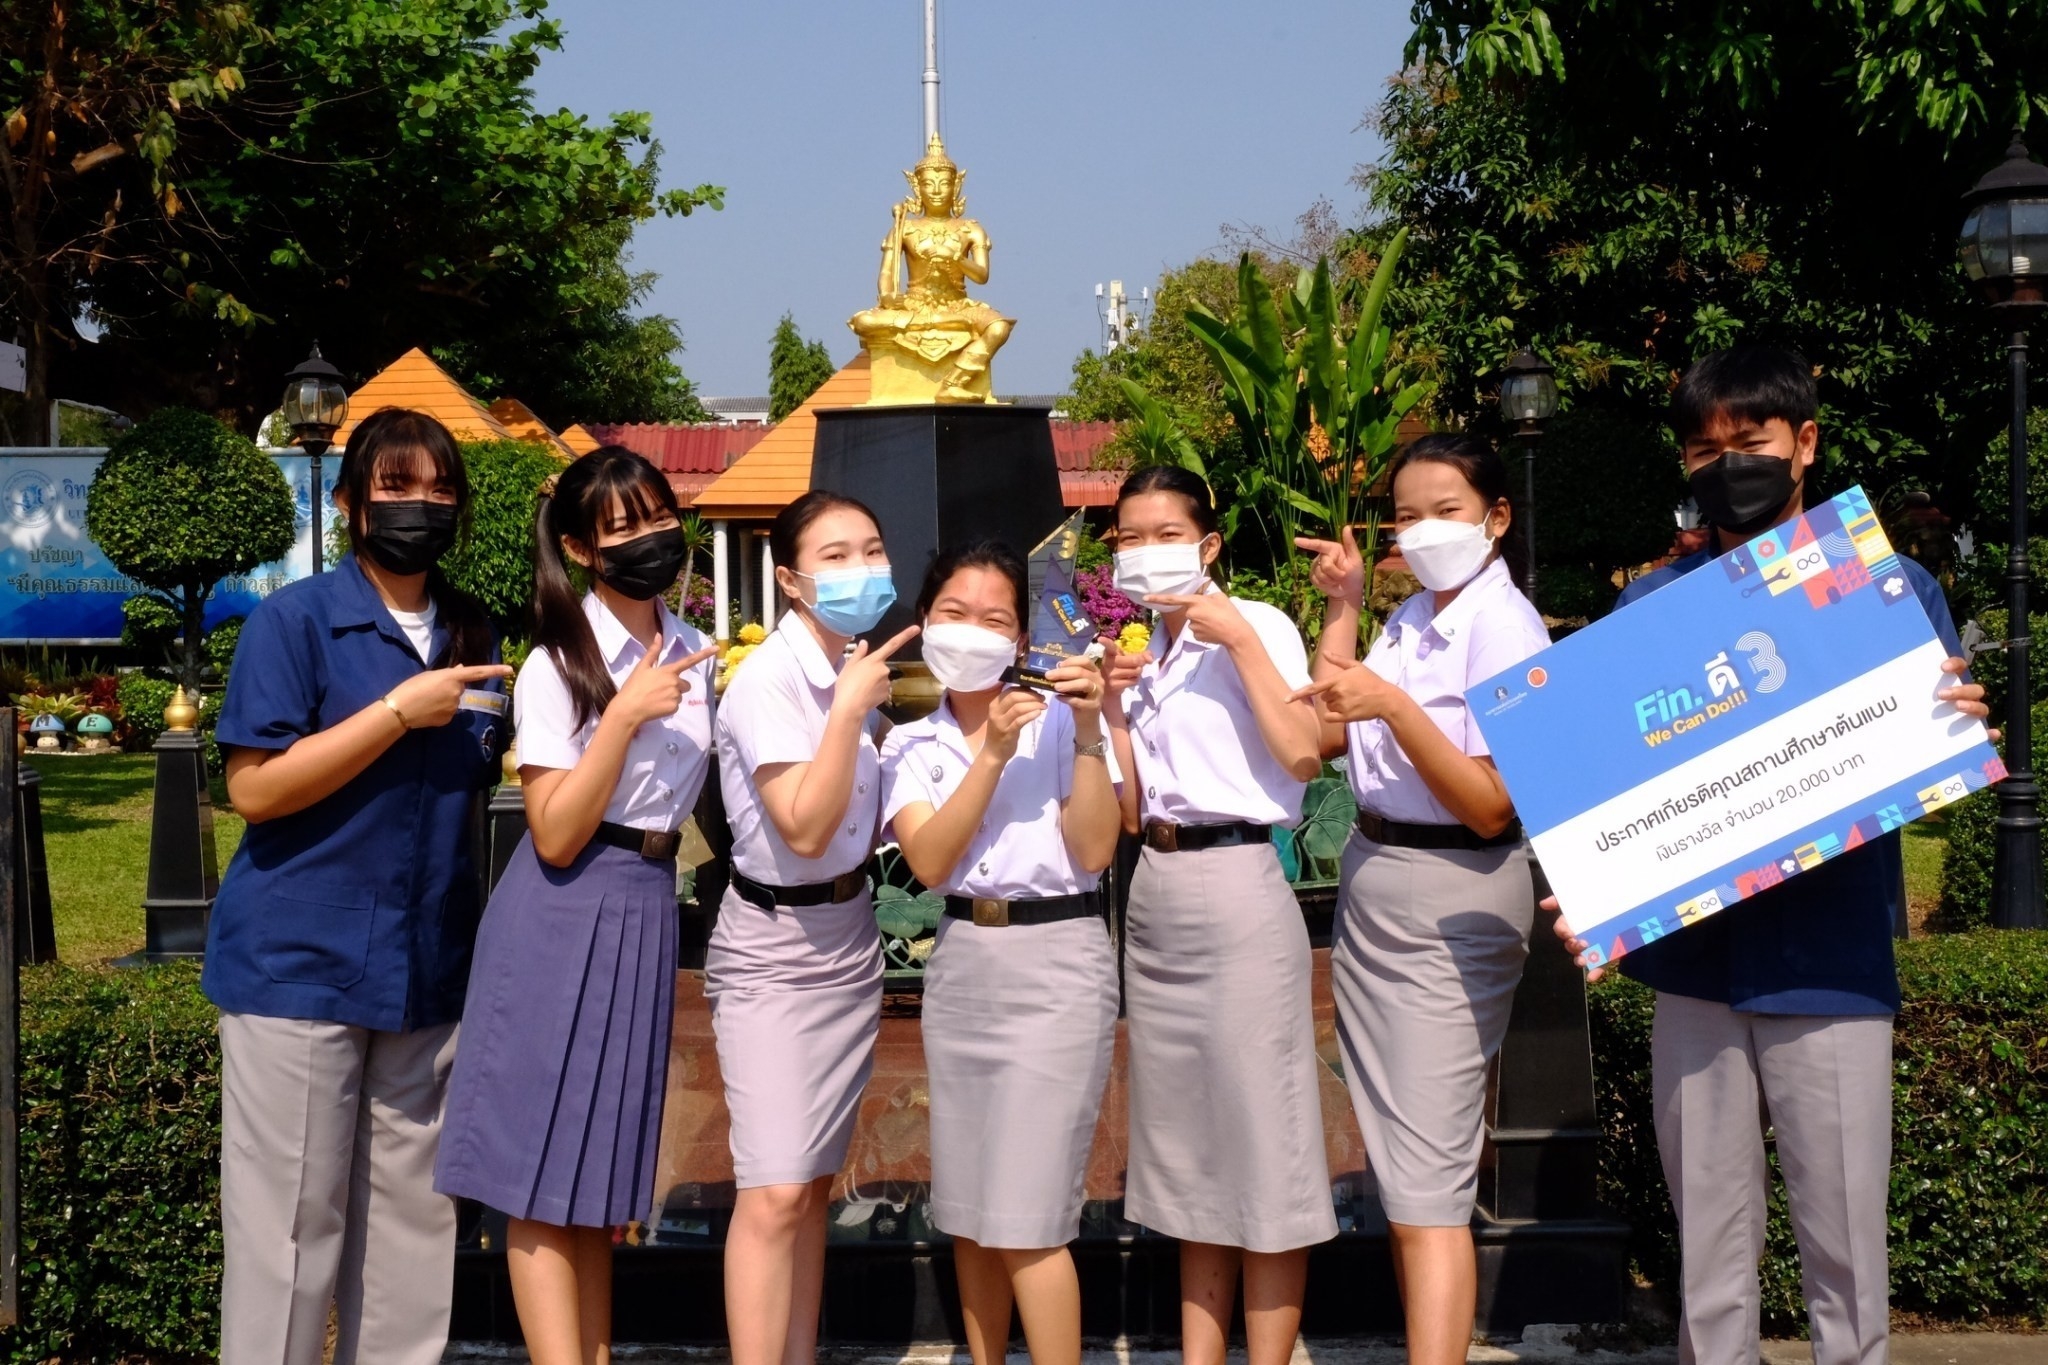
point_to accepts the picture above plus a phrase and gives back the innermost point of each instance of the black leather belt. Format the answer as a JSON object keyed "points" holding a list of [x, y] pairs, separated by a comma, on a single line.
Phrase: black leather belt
{"points": [[656, 845], [843, 887], [1401, 834], [1162, 837], [990, 913]]}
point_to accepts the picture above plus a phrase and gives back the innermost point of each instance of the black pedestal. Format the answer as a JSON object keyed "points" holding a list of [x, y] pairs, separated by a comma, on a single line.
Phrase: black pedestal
{"points": [[184, 870], [35, 934], [940, 475]]}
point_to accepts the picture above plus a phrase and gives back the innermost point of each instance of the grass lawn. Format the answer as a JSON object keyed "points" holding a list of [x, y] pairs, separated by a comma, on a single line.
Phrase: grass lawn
{"points": [[96, 832], [1924, 843]]}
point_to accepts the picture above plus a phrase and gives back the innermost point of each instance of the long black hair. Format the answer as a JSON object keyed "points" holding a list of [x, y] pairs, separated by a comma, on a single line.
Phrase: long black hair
{"points": [[977, 554], [576, 510], [393, 446], [1481, 467]]}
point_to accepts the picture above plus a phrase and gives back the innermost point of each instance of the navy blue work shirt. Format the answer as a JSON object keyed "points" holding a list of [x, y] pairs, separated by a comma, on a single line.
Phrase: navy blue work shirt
{"points": [[1820, 943], [362, 908]]}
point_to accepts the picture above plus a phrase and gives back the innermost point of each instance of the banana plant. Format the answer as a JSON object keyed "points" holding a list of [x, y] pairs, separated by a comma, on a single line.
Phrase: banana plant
{"points": [[1309, 396]]}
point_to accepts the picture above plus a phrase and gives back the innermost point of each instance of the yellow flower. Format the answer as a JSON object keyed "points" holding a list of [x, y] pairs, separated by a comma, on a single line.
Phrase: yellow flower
{"points": [[1133, 638], [752, 633]]}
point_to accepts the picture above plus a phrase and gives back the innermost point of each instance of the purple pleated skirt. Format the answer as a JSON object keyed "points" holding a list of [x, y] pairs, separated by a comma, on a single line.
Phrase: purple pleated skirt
{"points": [[554, 1108], [796, 1006]]}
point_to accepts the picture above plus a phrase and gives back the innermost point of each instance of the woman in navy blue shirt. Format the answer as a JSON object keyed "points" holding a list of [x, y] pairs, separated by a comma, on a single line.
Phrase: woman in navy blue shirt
{"points": [[362, 720]]}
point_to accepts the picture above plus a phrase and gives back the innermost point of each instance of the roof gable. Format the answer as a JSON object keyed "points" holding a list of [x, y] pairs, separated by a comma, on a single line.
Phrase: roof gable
{"points": [[415, 381]]}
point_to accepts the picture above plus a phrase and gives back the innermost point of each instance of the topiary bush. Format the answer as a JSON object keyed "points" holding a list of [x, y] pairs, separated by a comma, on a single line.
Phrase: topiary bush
{"points": [[1969, 1189], [494, 561], [120, 1167], [181, 502], [1972, 837]]}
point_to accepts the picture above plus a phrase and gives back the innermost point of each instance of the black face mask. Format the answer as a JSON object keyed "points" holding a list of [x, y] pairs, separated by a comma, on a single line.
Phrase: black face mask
{"points": [[1741, 493], [644, 566], [408, 537]]}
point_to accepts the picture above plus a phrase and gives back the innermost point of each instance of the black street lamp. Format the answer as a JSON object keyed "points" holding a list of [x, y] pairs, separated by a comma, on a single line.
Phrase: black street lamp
{"points": [[1528, 398], [2005, 253], [315, 406]]}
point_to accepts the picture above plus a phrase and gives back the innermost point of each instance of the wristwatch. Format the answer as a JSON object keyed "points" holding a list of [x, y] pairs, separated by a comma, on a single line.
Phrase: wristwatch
{"points": [[1099, 749]]}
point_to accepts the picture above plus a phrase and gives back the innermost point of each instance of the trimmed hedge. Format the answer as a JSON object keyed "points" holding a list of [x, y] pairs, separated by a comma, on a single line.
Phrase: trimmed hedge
{"points": [[121, 1151], [1969, 1195], [120, 1167], [1966, 860]]}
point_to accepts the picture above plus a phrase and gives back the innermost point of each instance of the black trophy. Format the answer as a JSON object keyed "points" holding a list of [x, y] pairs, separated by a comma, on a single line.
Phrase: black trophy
{"points": [[1060, 629]]}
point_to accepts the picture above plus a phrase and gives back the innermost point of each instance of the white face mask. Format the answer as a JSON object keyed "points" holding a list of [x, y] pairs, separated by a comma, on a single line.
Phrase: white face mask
{"points": [[967, 658], [1155, 570], [1445, 554]]}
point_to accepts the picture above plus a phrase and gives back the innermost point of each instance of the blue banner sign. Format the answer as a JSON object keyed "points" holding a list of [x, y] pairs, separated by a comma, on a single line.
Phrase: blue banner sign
{"points": [[1738, 726], [56, 586]]}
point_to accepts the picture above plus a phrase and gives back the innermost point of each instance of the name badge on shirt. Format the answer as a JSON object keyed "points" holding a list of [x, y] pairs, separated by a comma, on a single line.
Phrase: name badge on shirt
{"points": [[477, 699]]}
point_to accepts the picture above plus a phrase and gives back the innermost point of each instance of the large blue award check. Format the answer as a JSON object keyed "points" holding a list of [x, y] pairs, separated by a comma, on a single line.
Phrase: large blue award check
{"points": [[1749, 721]]}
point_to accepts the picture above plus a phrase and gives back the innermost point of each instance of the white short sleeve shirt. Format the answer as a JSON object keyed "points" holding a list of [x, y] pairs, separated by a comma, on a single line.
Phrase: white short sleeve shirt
{"points": [[1019, 851], [1434, 656], [773, 712], [1200, 756], [665, 761]]}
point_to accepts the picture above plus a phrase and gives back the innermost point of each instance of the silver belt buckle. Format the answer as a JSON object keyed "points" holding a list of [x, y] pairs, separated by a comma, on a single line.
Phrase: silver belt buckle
{"points": [[658, 844], [991, 914]]}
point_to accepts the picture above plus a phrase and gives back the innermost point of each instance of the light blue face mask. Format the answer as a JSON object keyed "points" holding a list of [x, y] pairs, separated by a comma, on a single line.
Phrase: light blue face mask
{"points": [[851, 601]]}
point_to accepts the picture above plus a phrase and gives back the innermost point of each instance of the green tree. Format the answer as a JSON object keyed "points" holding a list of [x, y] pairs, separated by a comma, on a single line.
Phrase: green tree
{"points": [[1169, 362], [796, 368], [181, 502], [1606, 484], [1625, 186], [493, 561], [215, 183]]}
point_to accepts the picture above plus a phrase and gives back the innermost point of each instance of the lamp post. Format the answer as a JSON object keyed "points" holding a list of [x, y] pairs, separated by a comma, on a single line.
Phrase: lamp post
{"points": [[1528, 398], [315, 405], [2005, 253]]}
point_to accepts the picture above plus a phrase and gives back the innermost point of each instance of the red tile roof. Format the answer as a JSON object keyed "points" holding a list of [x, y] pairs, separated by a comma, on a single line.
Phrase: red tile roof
{"points": [[675, 448]]}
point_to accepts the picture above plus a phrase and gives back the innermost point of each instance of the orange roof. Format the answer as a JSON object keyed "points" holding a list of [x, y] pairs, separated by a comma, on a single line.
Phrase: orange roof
{"points": [[415, 381], [777, 471], [579, 441], [518, 419]]}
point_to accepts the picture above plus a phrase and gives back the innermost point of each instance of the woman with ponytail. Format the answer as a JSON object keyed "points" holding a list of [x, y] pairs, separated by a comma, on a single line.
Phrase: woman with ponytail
{"points": [[554, 1113], [1433, 917], [361, 726]]}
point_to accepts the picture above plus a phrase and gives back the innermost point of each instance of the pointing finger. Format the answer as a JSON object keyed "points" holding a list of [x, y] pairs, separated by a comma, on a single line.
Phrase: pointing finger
{"points": [[481, 672], [1313, 689], [1319, 547], [1171, 600], [896, 642], [692, 660]]}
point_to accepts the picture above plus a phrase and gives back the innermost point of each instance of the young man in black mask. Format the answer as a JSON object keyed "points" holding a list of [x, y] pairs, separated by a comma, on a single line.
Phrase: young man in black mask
{"points": [[1782, 1004]]}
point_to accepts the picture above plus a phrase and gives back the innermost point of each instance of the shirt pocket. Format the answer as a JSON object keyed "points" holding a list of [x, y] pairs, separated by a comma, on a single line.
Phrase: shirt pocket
{"points": [[317, 936]]}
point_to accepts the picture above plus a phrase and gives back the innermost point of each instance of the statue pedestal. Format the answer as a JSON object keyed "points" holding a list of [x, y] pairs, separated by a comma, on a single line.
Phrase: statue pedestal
{"points": [[184, 874], [900, 376], [937, 475]]}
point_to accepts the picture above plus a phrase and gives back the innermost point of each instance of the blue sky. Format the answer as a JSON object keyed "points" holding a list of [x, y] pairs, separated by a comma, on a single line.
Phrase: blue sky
{"points": [[1105, 139]]}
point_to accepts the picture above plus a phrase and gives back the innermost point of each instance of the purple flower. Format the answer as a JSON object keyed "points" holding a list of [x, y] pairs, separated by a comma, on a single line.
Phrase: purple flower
{"points": [[1104, 602]]}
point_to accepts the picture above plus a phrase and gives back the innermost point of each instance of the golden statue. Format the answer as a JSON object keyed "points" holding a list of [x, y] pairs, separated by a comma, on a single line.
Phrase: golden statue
{"points": [[930, 343]]}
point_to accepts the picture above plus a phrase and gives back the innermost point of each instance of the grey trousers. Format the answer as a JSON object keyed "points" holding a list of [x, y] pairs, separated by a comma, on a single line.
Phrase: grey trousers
{"points": [[328, 1136], [1824, 1084]]}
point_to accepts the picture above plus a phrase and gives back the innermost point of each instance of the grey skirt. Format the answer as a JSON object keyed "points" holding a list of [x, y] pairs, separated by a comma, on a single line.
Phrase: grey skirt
{"points": [[1429, 948], [1019, 1024], [796, 1006], [554, 1107], [1226, 1122]]}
